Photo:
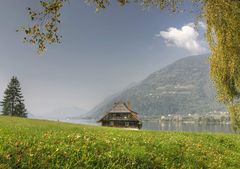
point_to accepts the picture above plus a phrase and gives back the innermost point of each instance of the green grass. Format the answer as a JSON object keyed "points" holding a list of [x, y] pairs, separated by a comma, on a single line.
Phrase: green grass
{"points": [[37, 144]]}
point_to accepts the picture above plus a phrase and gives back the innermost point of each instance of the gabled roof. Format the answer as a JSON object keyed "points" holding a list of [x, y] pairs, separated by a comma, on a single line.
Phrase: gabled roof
{"points": [[120, 108]]}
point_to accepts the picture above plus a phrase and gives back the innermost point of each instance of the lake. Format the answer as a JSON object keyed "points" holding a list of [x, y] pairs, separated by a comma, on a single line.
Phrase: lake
{"points": [[172, 126], [190, 127]]}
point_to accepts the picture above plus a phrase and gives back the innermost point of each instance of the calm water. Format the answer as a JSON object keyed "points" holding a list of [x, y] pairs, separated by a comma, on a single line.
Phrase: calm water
{"points": [[173, 126], [190, 127]]}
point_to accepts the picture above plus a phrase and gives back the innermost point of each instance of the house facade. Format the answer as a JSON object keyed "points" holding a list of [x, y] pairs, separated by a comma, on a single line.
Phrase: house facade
{"points": [[121, 116]]}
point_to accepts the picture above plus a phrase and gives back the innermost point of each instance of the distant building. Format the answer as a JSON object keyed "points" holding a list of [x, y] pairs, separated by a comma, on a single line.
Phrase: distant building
{"points": [[121, 115]]}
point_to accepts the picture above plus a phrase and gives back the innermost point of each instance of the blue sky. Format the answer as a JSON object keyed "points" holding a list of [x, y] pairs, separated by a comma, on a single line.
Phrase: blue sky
{"points": [[101, 53]]}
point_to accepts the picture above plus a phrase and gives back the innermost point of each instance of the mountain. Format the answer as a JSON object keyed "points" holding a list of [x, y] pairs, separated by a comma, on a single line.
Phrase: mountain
{"points": [[180, 88], [64, 113]]}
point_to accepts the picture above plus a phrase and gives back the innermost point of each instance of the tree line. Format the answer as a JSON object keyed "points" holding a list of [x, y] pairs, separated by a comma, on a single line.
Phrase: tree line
{"points": [[13, 101]]}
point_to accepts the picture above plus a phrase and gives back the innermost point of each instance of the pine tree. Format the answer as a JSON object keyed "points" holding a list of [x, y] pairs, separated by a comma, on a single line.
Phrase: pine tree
{"points": [[13, 102]]}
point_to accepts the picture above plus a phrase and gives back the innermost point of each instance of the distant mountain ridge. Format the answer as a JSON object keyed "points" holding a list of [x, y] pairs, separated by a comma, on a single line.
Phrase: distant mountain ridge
{"points": [[64, 113], [182, 87]]}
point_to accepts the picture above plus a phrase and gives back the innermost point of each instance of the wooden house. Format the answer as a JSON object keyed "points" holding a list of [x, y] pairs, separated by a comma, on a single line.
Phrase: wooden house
{"points": [[121, 116]]}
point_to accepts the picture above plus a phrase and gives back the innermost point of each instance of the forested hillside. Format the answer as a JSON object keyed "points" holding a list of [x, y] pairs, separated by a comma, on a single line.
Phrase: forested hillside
{"points": [[182, 87]]}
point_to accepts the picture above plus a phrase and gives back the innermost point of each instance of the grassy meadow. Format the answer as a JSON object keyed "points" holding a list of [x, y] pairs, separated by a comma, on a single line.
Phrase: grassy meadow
{"points": [[26, 143]]}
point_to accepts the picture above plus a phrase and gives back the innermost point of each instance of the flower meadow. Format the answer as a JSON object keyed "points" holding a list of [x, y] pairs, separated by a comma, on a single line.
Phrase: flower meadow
{"points": [[37, 144]]}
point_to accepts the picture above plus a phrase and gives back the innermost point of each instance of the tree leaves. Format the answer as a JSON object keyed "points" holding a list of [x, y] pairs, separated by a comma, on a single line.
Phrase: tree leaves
{"points": [[44, 27], [223, 35]]}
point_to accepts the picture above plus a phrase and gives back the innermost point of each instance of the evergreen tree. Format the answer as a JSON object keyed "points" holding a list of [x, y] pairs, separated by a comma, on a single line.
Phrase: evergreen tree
{"points": [[13, 102]]}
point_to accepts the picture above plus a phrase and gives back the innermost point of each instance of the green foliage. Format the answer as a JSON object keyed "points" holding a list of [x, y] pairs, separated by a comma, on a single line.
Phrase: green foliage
{"points": [[13, 102], [44, 28], [222, 17], [235, 117], [26, 143]]}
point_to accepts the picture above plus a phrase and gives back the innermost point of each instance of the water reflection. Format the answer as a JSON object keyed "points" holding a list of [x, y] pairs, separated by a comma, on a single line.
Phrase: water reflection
{"points": [[190, 127]]}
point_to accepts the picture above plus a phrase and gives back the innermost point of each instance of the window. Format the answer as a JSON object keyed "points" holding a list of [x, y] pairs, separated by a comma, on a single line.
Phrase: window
{"points": [[126, 123], [111, 123]]}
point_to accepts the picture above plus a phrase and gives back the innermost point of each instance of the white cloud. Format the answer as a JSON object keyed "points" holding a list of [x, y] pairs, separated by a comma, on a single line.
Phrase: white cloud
{"points": [[187, 38]]}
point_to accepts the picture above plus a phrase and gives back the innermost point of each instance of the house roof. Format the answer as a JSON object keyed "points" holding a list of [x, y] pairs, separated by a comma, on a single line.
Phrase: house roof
{"points": [[120, 108]]}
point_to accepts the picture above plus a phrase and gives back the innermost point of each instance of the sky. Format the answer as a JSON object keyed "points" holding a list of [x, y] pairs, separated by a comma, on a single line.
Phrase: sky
{"points": [[100, 54]]}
